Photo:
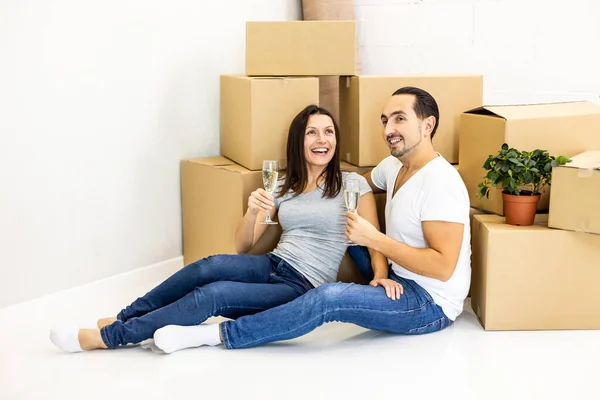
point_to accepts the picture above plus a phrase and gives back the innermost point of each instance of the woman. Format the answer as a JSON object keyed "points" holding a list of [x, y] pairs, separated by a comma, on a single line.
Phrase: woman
{"points": [[311, 212]]}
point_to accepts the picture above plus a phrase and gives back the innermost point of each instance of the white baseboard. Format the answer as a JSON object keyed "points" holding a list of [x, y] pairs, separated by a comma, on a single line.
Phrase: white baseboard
{"points": [[148, 274], [144, 276], [140, 277]]}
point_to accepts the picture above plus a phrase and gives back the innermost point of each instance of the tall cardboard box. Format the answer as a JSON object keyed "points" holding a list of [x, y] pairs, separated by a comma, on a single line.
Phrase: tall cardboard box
{"points": [[561, 128], [307, 48], [575, 195], [534, 277], [362, 99], [256, 114], [215, 193], [328, 10]]}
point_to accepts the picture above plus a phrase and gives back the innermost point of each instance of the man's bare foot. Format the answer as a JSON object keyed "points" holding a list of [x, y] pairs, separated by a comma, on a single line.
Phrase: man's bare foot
{"points": [[90, 339], [102, 322]]}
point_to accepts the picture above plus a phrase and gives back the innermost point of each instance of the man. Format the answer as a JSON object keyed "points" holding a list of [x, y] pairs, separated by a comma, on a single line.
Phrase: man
{"points": [[427, 242]]}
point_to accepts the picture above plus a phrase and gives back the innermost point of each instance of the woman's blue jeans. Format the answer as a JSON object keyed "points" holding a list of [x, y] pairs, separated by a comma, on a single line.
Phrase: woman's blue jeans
{"points": [[225, 285]]}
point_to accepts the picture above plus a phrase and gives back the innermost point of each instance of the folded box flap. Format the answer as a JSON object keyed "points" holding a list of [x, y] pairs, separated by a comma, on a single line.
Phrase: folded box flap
{"points": [[586, 160], [534, 111]]}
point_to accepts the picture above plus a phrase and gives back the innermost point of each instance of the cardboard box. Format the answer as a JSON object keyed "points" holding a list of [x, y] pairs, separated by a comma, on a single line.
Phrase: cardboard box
{"points": [[473, 212], [561, 128], [575, 195], [256, 114], [215, 194], [534, 277], [362, 99], [307, 48], [354, 168]]}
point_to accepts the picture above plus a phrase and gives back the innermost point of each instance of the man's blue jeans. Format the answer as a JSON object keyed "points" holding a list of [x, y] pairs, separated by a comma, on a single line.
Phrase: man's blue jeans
{"points": [[226, 285], [367, 306]]}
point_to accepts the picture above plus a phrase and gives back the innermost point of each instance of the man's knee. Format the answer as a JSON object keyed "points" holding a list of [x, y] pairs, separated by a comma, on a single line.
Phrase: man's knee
{"points": [[331, 294]]}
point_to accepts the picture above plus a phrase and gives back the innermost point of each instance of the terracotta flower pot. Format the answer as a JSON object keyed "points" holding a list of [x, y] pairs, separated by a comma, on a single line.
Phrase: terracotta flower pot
{"points": [[520, 210]]}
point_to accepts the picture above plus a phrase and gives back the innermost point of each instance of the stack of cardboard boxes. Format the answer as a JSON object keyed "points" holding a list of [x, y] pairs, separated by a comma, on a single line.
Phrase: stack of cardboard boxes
{"points": [[284, 61], [542, 276], [535, 277]]}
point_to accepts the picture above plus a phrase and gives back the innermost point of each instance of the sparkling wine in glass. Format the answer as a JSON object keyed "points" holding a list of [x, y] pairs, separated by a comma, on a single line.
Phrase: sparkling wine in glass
{"points": [[270, 172], [351, 196]]}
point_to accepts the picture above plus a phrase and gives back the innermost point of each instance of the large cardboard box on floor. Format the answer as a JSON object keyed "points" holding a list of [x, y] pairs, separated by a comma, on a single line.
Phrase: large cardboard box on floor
{"points": [[561, 128], [575, 195], [534, 277], [256, 114], [362, 99], [215, 193], [307, 48]]}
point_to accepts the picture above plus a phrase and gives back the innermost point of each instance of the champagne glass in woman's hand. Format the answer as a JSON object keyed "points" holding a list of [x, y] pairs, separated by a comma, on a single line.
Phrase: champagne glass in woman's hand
{"points": [[270, 171], [351, 196]]}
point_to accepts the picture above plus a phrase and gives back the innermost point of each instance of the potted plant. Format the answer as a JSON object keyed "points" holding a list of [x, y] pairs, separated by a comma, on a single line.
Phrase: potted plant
{"points": [[521, 175]]}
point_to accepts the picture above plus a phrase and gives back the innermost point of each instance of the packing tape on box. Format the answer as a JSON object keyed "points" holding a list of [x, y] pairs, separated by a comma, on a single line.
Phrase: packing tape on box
{"points": [[583, 226], [585, 172]]}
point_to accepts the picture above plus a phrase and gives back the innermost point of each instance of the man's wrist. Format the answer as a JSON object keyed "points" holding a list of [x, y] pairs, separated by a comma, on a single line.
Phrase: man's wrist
{"points": [[378, 277], [373, 240]]}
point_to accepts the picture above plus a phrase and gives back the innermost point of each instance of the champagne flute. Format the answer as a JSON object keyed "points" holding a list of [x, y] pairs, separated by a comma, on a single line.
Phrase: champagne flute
{"points": [[351, 196], [270, 171]]}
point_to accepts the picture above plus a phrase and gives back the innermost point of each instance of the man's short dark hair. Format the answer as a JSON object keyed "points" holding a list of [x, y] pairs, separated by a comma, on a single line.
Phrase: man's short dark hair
{"points": [[424, 104]]}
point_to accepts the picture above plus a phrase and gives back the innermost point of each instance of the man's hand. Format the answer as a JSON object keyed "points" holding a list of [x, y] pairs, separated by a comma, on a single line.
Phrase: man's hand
{"points": [[393, 289], [359, 230]]}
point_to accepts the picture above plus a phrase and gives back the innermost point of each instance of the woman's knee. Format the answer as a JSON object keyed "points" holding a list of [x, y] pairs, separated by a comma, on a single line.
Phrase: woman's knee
{"points": [[212, 290], [205, 264]]}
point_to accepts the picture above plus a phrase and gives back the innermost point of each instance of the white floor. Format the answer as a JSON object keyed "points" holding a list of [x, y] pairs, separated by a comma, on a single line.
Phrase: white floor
{"points": [[337, 361]]}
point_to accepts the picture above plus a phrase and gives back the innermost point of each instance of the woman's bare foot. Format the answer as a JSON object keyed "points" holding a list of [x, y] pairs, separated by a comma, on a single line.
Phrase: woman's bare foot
{"points": [[90, 339], [102, 322]]}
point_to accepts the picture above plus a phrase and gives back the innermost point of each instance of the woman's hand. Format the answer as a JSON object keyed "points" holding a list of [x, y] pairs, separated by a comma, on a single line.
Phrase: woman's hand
{"points": [[260, 200]]}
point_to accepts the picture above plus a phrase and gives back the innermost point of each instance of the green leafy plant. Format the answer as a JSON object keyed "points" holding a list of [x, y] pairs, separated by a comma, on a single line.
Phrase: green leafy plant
{"points": [[519, 172]]}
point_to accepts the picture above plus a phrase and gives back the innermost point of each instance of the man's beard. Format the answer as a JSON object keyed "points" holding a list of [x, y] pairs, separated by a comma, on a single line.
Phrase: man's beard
{"points": [[405, 150]]}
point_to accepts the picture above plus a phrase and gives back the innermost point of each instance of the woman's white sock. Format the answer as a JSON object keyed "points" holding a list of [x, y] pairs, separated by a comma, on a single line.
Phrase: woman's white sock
{"points": [[174, 337], [66, 339]]}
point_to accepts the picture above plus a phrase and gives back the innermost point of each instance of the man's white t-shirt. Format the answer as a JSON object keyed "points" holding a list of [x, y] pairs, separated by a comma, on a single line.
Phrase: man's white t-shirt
{"points": [[434, 193]]}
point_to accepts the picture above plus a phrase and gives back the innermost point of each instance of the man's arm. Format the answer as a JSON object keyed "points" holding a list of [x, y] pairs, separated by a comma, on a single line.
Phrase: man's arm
{"points": [[437, 261]]}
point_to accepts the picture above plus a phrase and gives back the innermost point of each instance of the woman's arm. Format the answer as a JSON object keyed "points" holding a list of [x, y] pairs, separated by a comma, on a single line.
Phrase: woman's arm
{"points": [[250, 229]]}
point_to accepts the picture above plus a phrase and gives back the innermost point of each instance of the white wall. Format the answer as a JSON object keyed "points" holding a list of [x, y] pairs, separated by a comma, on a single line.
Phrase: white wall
{"points": [[100, 101], [529, 51]]}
